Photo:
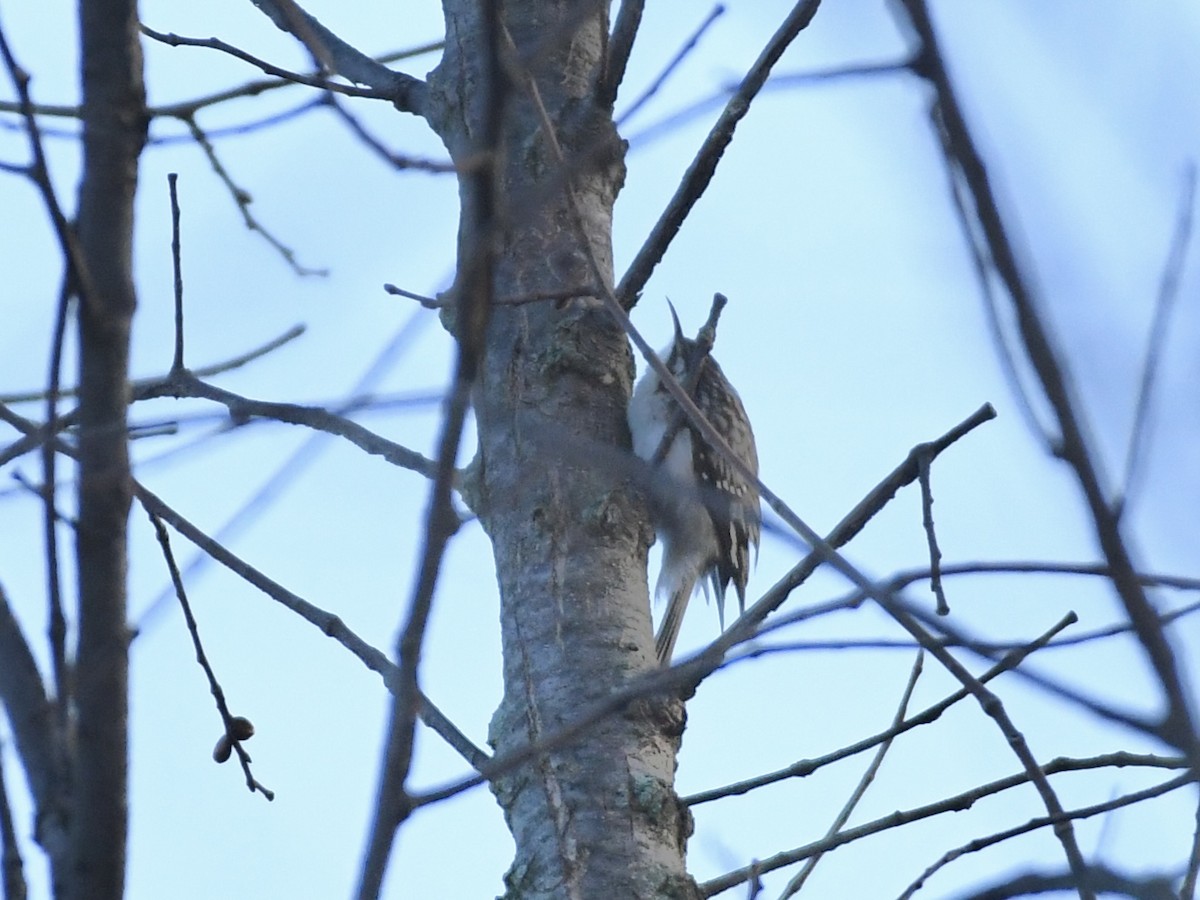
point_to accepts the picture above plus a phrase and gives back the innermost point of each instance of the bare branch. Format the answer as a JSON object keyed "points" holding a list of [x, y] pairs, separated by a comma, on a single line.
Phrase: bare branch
{"points": [[845, 531], [804, 768], [142, 385], [185, 111], [184, 108], [177, 268], [11, 864], [700, 172], [1168, 292], [1188, 889], [954, 637], [376, 146], [57, 618], [242, 198], [997, 326], [935, 553], [184, 384], [39, 173], [449, 300], [672, 64], [994, 708], [1098, 878], [982, 647], [76, 281], [963, 156], [40, 745], [950, 804], [474, 288], [783, 81], [327, 623], [406, 93], [214, 686], [620, 46], [794, 886], [1081, 881]]}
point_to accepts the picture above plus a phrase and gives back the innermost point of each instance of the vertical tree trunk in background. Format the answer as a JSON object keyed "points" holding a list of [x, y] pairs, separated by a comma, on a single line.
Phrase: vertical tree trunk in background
{"points": [[114, 124], [596, 818]]}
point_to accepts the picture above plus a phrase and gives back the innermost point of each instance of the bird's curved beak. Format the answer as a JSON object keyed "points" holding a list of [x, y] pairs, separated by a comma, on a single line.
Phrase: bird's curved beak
{"points": [[675, 319]]}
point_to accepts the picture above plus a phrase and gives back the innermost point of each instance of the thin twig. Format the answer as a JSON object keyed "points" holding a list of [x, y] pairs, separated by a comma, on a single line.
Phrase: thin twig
{"points": [[398, 161], [57, 618], [184, 384], [449, 300], [1168, 293], [140, 385], [839, 822], [76, 280], [804, 768], [744, 628], [327, 623], [952, 636], [985, 648], [672, 64], [669, 681], [39, 173], [294, 464], [672, 123], [214, 686], [704, 166], [185, 108], [956, 803], [259, 123], [242, 199], [935, 552], [177, 268], [1177, 726], [284, 75], [997, 326], [406, 401], [1084, 812], [1099, 878]]}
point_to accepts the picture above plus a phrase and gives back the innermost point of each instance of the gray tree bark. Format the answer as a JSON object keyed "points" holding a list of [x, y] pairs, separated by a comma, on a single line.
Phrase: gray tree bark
{"points": [[598, 817], [114, 122]]}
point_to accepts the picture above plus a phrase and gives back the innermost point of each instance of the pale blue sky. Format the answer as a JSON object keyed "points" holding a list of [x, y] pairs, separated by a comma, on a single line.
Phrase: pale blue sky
{"points": [[855, 330]]}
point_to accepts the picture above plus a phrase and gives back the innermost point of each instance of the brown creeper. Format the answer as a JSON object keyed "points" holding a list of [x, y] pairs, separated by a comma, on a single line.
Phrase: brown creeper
{"points": [[705, 512]]}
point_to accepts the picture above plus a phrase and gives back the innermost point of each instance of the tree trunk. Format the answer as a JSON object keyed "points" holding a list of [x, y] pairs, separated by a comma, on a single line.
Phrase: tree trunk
{"points": [[598, 817], [114, 119]]}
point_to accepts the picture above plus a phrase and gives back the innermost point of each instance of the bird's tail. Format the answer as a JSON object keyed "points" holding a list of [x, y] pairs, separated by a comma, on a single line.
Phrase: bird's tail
{"points": [[668, 631]]}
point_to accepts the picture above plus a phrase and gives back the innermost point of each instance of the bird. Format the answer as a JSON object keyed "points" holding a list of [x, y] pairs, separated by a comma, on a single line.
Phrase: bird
{"points": [[704, 510]]}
